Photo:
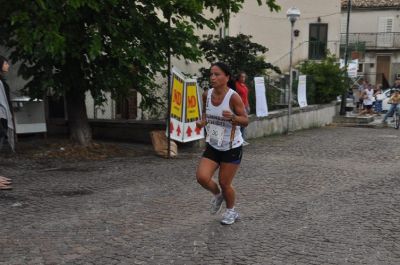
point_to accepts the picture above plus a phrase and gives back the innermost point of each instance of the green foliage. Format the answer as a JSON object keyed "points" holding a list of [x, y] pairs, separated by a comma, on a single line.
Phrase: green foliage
{"points": [[325, 80], [109, 45], [240, 53]]}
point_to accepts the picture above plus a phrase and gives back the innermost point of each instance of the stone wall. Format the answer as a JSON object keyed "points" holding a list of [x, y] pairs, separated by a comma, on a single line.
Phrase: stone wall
{"points": [[276, 123], [301, 118]]}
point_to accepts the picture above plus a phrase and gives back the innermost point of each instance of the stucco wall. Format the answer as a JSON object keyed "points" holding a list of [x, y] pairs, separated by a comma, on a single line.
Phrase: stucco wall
{"points": [[272, 29], [366, 21]]}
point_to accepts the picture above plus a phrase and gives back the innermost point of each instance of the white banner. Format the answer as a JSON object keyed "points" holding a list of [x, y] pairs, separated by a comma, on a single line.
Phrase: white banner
{"points": [[352, 67], [301, 91], [261, 99]]}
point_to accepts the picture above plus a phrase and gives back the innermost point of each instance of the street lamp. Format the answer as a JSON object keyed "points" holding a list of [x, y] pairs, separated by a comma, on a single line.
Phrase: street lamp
{"points": [[292, 14]]}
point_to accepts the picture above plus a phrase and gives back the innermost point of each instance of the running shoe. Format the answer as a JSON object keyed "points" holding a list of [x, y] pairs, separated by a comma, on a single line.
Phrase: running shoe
{"points": [[216, 204], [229, 217]]}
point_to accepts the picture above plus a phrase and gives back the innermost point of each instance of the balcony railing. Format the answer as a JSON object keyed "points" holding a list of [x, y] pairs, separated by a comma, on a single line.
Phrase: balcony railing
{"points": [[362, 41]]}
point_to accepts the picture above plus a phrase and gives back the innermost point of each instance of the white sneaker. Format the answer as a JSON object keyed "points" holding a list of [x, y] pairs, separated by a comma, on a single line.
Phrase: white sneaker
{"points": [[229, 217], [245, 143], [216, 204]]}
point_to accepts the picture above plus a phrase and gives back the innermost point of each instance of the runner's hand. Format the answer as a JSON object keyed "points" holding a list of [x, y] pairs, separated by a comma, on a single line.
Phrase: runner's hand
{"points": [[200, 123], [228, 115]]}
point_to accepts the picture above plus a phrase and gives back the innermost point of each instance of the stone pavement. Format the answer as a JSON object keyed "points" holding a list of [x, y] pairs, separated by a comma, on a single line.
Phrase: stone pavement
{"points": [[321, 196]]}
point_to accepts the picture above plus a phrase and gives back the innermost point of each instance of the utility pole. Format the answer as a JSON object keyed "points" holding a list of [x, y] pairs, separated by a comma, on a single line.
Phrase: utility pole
{"points": [[169, 86], [343, 103]]}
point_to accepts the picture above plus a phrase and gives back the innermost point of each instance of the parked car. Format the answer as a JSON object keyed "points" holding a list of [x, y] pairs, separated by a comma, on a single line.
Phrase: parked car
{"points": [[385, 104]]}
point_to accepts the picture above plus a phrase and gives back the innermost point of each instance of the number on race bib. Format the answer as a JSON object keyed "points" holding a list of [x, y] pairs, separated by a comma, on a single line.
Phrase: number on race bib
{"points": [[215, 134]]}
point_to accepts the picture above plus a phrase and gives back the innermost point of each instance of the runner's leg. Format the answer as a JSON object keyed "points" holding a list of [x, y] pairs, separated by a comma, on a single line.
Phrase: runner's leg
{"points": [[226, 173], [204, 174]]}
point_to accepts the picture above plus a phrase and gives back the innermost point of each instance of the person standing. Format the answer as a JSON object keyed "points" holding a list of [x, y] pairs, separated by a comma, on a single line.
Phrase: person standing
{"points": [[223, 114], [361, 85], [368, 100], [243, 92], [379, 98], [396, 84], [394, 101], [6, 118]]}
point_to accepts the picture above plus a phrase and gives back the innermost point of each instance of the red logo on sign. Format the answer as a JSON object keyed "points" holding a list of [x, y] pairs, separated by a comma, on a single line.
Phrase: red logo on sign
{"points": [[189, 131], [191, 101], [177, 97]]}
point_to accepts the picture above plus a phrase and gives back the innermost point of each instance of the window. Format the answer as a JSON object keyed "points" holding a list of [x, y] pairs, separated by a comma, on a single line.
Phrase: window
{"points": [[360, 68], [318, 39]]}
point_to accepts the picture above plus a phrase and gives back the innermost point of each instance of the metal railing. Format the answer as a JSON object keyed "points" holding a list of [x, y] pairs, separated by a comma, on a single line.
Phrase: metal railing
{"points": [[304, 51], [362, 41]]}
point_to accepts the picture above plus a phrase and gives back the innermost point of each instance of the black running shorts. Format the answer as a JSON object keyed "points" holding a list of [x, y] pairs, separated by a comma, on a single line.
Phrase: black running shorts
{"points": [[233, 156]]}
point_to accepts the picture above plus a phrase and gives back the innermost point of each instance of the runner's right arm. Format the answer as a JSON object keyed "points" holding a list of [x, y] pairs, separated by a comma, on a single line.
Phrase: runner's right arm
{"points": [[202, 122]]}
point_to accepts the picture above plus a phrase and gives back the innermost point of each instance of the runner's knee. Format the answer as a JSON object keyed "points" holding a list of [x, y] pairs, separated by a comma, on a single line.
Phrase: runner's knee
{"points": [[225, 185], [202, 178]]}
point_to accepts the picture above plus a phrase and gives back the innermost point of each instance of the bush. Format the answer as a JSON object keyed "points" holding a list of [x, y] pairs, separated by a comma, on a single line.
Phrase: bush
{"points": [[325, 80]]}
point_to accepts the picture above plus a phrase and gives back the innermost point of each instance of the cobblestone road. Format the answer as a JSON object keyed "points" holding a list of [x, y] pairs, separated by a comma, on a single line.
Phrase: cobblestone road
{"points": [[322, 196]]}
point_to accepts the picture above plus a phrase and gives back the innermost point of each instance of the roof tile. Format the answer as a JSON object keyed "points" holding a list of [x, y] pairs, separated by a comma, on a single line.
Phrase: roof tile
{"points": [[372, 3]]}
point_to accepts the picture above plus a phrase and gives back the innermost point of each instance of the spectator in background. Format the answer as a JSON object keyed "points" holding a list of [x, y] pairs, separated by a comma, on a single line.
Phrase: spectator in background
{"points": [[6, 118], [396, 84], [362, 84], [6, 113], [378, 99], [368, 98], [243, 92], [394, 101]]}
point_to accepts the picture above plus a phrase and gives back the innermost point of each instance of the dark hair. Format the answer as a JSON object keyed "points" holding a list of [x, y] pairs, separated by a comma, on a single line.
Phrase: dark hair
{"points": [[239, 74], [225, 68], [2, 60]]}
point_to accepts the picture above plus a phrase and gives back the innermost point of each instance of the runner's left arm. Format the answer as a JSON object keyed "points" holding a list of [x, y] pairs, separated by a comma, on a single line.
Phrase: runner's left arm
{"points": [[239, 115]]}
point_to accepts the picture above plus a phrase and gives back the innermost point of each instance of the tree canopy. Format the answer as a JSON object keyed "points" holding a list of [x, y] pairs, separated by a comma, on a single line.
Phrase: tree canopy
{"points": [[75, 46], [239, 52]]}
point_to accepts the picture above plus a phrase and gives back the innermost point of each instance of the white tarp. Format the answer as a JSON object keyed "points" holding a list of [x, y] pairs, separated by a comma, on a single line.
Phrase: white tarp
{"points": [[301, 91], [261, 99], [352, 67]]}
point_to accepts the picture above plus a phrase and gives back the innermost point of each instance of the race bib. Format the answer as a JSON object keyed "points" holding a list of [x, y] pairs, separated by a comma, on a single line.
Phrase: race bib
{"points": [[215, 134]]}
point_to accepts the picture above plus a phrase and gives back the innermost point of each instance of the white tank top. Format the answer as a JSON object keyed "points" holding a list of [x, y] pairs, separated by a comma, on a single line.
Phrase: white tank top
{"points": [[218, 128], [370, 95]]}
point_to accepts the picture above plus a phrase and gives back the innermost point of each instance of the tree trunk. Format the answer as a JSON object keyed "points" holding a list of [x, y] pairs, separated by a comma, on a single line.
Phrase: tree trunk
{"points": [[79, 128]]}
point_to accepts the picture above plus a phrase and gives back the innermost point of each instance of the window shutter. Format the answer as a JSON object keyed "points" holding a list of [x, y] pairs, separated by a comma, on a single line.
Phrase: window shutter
{"points": [[385, 31], [343, 25], [385, 24]]}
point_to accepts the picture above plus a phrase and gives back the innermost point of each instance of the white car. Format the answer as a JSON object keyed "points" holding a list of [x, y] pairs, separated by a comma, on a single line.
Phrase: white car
{"points": [[385, 104]]}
